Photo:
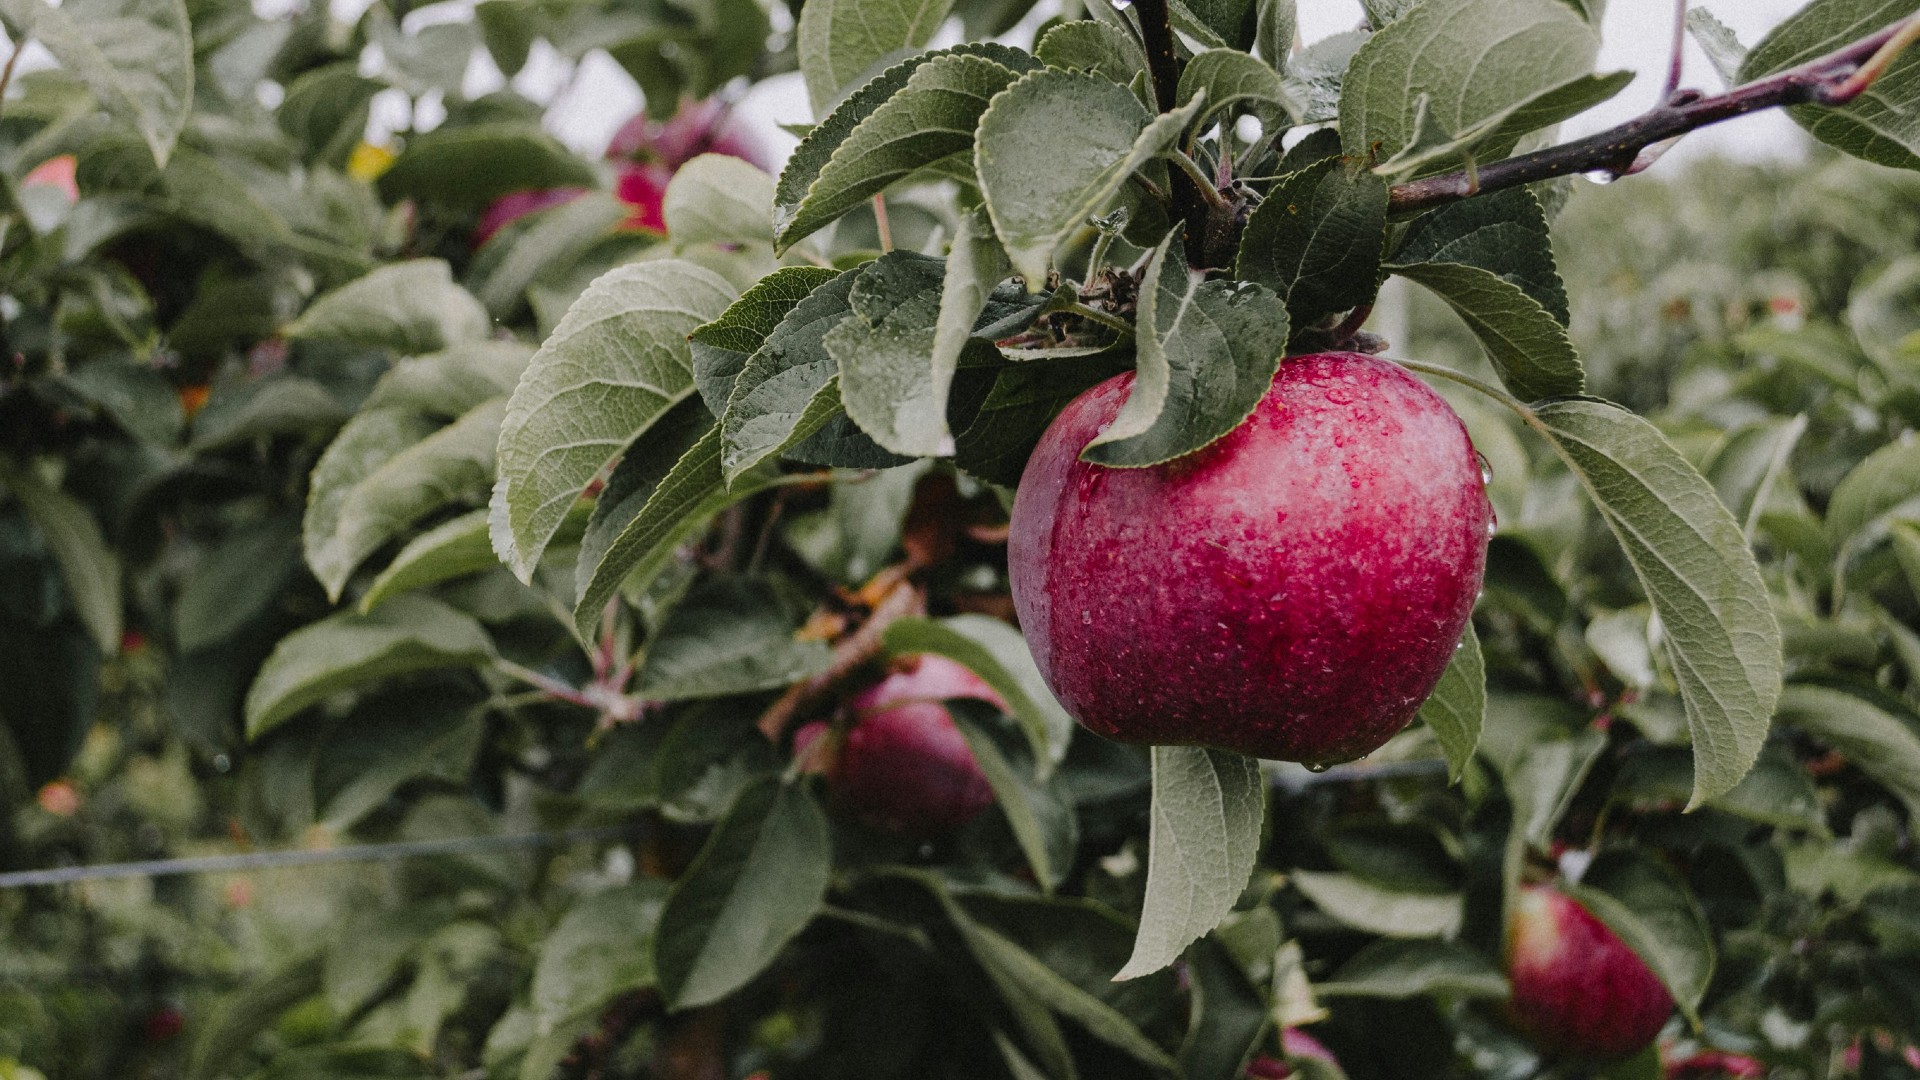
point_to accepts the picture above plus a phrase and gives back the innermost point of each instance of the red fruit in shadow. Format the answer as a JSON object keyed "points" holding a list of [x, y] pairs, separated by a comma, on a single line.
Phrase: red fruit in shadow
{"points": [[1578, 990], [1297, 1045], [515, 205], [1716, 1065], [163, 1025], [903, 766], [699, 127], [1292, 591]]}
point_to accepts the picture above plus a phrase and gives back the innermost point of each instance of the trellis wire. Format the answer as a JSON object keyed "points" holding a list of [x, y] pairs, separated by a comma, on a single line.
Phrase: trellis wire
{"points": [[279, 860]]}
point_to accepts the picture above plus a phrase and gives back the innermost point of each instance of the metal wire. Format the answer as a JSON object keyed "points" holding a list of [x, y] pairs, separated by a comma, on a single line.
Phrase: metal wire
{"points": [[276, 860]]}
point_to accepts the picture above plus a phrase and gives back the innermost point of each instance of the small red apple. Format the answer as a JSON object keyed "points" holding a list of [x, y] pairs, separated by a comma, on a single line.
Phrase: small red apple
{"points": [[651, 151], [515, 205], [163, 1025], [1292, 591], [1578, 989], [60, 173], [903, 766], [1296, 1045], [1716, 1065]]}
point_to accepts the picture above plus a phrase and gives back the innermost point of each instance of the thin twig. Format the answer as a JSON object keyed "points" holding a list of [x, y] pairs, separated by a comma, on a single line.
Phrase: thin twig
{"points": [[852, 651], [881, 224], [1677, 59], [6, 73], [1834, 79]]}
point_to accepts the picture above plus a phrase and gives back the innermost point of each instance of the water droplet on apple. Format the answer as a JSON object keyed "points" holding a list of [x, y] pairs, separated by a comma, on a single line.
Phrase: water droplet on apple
{"points": [[1486, 469], [1493, 525], [1317, 766], [1086, 617], [1458, 645]]}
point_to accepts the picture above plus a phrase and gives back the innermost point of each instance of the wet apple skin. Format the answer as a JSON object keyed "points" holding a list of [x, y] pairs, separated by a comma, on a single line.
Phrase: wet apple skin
{"points": [[1292, 591]]}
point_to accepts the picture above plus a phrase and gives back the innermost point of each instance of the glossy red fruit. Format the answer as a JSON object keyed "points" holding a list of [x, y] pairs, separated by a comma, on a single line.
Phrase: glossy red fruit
{"points": [[1716, 1065], [651, 151], [904, 766], [1578, 990], [1292, 591]]}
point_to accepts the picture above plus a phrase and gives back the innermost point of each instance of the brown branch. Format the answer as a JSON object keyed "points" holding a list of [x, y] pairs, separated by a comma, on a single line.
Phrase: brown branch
{"points": [[901, 599], [1834, 79], [1156, 32]]}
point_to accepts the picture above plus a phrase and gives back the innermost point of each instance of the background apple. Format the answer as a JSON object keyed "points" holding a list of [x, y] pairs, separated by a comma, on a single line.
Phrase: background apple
{"points": [[903, 765], [1577, 988], [1292, 591]]}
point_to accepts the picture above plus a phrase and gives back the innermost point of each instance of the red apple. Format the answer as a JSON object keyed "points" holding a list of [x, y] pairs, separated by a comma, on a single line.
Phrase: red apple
{"points": [[1578, 989], [60, 173], [515, 205], [1296, 1045], [903, 766], [1292, 591], [1716, 1065], [651, 151]]}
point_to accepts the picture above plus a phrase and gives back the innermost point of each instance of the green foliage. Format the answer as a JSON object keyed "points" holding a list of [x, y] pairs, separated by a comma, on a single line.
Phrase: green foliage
{"points": [[279, 413]]}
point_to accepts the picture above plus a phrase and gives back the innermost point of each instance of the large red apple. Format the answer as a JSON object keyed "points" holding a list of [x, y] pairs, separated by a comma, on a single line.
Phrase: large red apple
{"points": [[1292, 591], [903, 765], [1578, 990]]}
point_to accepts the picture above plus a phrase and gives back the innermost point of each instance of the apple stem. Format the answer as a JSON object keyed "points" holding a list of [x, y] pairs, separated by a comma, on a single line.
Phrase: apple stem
{"points": [[881, 224], [1834, 79]]}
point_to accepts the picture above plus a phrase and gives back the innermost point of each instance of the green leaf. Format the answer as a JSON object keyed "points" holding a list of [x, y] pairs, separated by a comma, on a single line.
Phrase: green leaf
{"points": [[824, 140], [1527, 345], [1208, 352], [789, 388], [1314, 75], [88, 567], [758, 881], [930, 118], [1718, 41], [655, 515], [371, 439], [1504, 233], [386, 743], [450, 467], [616, 363], [1881, 125], [326, 111], [1694, 563], [1419, 967], [719, 199], [1434, 147], [1208, 806], [1276, 26], [553, 240], [601, 948], [1013, 968], [1316, 240], [1640, 899], [1777, 792], [901, 400], [1886, 480], [1458, 705], [1040, 191], [722, 347], [883, 353], [998, 654], [1231, 79], [1227, 1018], [728, 636], [237, 579], [135, 55], [1024, 398], [1884, 746], [1474, 60], [467, 166], [455, 548], [1356, 902], [409, 633], [1020, 799], [839, 41], [410, 307], [1097, 48], [449, 384], [1906, 547]]}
